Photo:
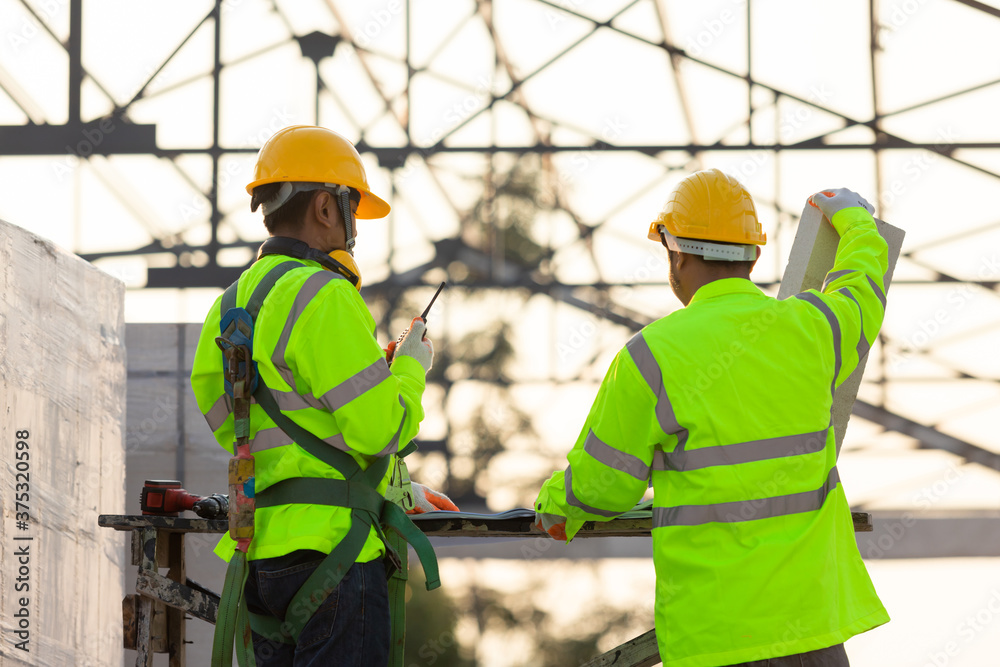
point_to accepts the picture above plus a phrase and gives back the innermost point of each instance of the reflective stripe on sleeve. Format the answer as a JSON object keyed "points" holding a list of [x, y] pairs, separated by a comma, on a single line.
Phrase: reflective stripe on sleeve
{"points": [[746, 510], [834, 275], [393, 445], [310, 288], [289, 400], [575, 502], [879, 291], [863, 344], [614, 458], [651, 373], [834, 327], [269, 438], [338, 442], [356, 385], [741, 452], [219, 412]]}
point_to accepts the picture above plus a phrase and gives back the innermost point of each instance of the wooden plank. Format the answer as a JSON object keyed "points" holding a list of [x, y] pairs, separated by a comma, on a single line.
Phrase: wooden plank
{"points": [[143, 621], [195, 602], [144, 604], [639, 652], [434, 524], [158, 629], [812, 255], [128, 620], [175, 617], [164, 523], [136, 544]]}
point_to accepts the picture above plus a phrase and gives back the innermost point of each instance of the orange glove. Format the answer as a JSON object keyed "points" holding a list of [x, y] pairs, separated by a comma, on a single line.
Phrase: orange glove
{"points": [[428, 500], [553, 524]]}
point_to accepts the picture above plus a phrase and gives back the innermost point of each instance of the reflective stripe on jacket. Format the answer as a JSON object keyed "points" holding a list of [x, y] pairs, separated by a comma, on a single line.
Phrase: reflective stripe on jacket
{"points": [[725, 406], [315, 347]]}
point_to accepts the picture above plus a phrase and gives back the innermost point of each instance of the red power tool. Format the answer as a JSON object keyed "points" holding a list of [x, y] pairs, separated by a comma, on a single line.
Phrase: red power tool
{"points": [[165, 497]]}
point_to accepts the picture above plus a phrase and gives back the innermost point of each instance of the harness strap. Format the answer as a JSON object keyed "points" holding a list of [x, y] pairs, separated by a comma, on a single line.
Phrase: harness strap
{"points": [[324, 579], [260, 292], [391, 514], [394, 517], [397, 600], [359, 497], [322, 491], [244, 645], [334, 458], [229, 619]]}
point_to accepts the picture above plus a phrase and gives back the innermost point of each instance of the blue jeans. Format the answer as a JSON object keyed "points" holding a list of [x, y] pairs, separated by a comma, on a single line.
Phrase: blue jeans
{"points": [[350, 628]]}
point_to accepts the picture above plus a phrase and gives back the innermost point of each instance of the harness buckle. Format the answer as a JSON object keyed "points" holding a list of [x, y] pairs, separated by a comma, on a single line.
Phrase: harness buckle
{"points": [[399, 490]]}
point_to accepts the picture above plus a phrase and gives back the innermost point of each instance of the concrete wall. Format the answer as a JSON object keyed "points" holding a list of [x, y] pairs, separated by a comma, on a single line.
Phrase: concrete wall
{"points": [[167, 438], [62, 402]]}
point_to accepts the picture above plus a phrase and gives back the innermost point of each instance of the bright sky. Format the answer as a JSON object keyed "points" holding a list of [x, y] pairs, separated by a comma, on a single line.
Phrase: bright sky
{"points": [[611, 87]]}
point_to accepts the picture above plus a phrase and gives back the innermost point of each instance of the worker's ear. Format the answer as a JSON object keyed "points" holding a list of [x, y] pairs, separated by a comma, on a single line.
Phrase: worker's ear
{"points": [[755, 260], [683, 259], [325, 209]]}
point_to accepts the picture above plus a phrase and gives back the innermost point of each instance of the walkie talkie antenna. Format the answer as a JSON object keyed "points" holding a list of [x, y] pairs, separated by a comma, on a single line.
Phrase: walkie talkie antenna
{"points": [[427, 310]]}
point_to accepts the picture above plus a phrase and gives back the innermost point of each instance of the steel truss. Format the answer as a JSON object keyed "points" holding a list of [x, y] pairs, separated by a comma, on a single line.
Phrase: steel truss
{"points": [[479, 243]]}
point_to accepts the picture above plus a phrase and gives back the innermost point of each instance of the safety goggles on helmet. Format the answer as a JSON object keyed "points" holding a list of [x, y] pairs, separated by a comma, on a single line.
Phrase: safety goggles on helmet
{"points": [[713, 252]]}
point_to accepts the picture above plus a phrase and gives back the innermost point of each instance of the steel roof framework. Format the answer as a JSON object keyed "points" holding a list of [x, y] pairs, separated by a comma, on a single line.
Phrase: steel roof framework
{"points": [[472, 135]]}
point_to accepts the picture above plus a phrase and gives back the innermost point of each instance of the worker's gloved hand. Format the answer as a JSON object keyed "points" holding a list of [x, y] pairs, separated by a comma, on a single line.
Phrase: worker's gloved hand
{"points": [[428, 500], [413, 344], [553, 524], [833, 201]]}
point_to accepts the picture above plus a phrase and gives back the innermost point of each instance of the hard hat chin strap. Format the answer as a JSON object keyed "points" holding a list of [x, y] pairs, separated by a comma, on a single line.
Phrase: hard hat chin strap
{"points": [[712, 252], [343, 194]]}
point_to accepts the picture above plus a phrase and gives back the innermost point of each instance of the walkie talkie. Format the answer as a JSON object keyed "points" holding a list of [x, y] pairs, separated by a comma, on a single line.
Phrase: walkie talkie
{"points": [[423, 316]]}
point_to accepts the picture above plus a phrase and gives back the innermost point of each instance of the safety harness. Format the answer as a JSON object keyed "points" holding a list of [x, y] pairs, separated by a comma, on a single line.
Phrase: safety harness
{"points": [[357, 491]]}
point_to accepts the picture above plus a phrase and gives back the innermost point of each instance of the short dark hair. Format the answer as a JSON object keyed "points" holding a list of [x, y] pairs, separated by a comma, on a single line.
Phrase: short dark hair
{"points": [[292, 214]]}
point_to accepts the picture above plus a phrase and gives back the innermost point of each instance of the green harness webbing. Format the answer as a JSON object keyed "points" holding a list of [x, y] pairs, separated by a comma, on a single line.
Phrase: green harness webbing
{"points": [[356, 491], [229, 617]]}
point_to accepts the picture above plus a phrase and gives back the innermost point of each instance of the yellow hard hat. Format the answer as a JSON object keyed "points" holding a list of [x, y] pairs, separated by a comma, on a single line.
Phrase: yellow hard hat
{"points": [[304, 153], [710, 206]]}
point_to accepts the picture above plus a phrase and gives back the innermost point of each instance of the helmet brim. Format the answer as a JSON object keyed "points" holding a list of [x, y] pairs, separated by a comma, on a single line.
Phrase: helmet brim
{"points": [[371, 207]]}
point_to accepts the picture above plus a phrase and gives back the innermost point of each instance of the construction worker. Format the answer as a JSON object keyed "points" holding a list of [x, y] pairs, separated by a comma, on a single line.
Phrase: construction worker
{"points": [[724, 407], [314, 347]]}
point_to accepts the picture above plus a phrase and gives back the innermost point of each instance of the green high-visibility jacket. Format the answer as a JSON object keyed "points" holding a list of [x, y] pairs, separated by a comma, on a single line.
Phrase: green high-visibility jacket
{"points": [[315, 348], [725, 406]]}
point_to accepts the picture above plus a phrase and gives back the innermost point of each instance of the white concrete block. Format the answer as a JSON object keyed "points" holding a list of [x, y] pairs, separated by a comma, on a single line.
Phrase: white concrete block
{"points": [[62, 392]]}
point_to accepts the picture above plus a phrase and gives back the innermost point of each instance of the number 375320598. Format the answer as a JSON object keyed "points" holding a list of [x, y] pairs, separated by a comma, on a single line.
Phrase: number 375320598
{"points": [[22, 478]]}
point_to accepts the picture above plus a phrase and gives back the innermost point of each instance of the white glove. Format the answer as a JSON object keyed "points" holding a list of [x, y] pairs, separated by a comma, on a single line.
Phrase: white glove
{"points": [[429, 500], [833, 201], [413, 344], [553, 524]]}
